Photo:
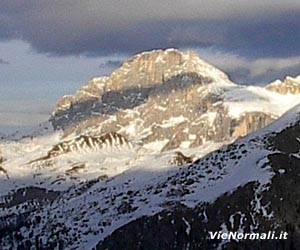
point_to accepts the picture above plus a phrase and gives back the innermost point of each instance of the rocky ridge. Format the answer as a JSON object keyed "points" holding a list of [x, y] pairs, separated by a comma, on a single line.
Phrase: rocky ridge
{"points": [[84, 143], [289, 85]]}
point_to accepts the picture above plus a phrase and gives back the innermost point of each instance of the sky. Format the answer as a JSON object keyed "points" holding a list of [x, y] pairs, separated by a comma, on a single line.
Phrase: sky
{"points": [[50, 48]]}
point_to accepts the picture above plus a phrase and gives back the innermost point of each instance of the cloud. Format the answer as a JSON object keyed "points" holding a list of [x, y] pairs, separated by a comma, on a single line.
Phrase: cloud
{"points": [[111, 64], [258, 70], [73, 27], [4, 62]]}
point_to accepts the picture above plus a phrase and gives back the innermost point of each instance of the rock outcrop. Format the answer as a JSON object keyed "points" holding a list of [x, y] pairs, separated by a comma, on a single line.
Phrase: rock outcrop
{"points": [[250, 122], [289, 85], [85, 143], [2, 169]]}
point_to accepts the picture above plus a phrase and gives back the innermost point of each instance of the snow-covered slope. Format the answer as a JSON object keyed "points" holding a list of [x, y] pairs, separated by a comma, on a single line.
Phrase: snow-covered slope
{"points": [[89, 212], [260, 194]]}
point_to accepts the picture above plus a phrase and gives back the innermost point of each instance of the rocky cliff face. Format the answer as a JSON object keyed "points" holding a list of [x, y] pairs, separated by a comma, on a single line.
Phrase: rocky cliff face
{"points": [[142, 71], [2, 170], [250, 122], [289, 85]]}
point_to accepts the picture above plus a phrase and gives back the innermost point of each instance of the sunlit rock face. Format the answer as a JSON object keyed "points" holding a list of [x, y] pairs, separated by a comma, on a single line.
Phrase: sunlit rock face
{"points": [[289, 85], [250, 122], [144, 70]]}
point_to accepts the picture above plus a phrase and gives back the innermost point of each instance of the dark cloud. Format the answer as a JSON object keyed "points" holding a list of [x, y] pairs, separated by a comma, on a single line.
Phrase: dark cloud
{"points": [[72, 27], [244, 75], [261, 38], [111, 64], [252, 70], [4, 62]]}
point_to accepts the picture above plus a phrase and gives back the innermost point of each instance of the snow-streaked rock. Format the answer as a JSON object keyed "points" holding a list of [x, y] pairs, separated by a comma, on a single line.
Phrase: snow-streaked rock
{"points": [[290, 85]]}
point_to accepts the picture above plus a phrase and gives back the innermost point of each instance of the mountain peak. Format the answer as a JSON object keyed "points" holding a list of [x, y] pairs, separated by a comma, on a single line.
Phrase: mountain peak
{"points": [[157, 66], [153, 97], [144, 70]]}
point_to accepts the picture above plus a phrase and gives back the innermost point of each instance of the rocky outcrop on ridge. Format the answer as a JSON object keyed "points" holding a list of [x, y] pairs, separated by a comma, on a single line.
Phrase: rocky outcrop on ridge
{"points": [[289, 85]]}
